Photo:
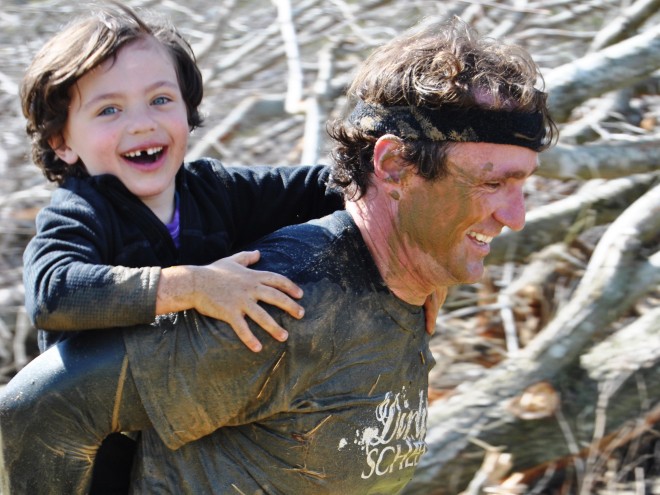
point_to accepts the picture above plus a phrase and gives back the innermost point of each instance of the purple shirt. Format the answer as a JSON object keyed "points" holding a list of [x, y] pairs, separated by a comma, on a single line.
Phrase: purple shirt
{"points": [[173, 225]]}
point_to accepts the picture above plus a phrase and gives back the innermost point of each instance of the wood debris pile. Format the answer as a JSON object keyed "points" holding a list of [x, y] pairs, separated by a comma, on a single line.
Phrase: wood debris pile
{"points": [[547, 371]]}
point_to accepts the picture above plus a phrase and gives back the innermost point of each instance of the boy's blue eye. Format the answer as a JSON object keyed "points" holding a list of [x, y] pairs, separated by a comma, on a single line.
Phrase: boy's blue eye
{"points": [[108, 111], [161, 100]]}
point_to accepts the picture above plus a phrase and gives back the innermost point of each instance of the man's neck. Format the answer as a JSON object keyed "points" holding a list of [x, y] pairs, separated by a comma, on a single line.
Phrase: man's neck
{"points": [[376, 222]]}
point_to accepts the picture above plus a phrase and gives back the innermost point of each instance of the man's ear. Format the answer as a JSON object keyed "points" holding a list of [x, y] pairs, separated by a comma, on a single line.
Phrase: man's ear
{"points": [[62, 150], [388, 163]]}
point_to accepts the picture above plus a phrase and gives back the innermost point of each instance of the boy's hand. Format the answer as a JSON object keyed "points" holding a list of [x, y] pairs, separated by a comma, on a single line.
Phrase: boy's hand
{"points": [[432, 306], [229, 291]]}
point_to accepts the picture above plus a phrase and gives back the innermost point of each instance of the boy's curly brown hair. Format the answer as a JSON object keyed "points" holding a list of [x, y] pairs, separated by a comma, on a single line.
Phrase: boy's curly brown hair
{"points": [[83, 45]]}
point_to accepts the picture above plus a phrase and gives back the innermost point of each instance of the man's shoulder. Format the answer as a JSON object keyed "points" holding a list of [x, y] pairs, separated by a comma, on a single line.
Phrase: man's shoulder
{"points": [[328, 248], [298, 244]]}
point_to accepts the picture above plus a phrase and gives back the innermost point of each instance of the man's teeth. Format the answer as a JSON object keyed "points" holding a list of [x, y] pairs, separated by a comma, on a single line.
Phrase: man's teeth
{"points": [[148, 151], [480, 237]]}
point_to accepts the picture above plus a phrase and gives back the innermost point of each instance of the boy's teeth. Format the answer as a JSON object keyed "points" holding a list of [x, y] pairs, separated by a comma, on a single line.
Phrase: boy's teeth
{"points": [[148, 151]]}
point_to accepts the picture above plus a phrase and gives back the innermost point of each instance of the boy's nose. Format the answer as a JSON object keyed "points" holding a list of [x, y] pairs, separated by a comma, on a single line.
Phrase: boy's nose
{"points": [[141, 122]]}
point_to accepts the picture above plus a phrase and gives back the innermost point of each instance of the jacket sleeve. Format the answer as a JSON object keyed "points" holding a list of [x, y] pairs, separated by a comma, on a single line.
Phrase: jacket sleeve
{"points": [[69, 283], [264, 199]]}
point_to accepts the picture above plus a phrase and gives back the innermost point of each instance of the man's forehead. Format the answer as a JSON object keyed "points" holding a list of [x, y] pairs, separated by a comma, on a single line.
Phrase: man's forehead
{"points": [[493, 160]]}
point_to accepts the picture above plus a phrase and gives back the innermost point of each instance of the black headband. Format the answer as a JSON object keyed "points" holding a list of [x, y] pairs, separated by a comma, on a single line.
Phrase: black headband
{"points": [[452, 124]]}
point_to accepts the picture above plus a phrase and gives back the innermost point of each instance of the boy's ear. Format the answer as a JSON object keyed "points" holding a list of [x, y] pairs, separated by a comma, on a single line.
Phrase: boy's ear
{"points": [[388, 162], [62, 150]]}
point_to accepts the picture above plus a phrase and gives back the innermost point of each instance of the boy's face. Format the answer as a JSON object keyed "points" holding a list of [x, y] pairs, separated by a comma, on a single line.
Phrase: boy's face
{"points": [[127, 118]]}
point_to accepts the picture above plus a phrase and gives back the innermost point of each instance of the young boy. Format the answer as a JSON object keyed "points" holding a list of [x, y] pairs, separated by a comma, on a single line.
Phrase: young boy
{"points": [[110, 102], [133, 231]]}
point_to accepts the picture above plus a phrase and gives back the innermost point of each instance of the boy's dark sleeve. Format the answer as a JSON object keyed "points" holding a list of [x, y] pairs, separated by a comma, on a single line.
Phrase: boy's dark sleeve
{"points": [[265, 199], [68, 284]]}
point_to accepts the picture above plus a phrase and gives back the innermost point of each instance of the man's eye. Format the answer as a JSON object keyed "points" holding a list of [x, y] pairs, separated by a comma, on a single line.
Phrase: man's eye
{"points": [[493, 185], [161, 100]]}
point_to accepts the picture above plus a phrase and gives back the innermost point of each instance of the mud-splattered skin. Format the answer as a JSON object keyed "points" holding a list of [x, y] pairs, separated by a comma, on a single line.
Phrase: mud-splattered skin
{"points": [[428, 238]]}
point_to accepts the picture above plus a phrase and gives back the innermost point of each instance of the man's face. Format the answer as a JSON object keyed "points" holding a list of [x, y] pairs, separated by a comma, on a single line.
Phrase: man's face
{"points": [[448, 224]]}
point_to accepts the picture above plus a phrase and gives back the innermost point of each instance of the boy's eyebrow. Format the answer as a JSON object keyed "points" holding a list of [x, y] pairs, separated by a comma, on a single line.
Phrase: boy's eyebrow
{"points": [[111, 95]]}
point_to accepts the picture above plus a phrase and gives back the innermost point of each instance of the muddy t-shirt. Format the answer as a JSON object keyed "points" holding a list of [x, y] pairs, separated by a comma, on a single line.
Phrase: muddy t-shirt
{"points": [[340, 408]]}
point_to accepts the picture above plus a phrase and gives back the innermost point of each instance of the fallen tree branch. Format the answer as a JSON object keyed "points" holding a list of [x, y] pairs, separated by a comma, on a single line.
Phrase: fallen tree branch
{"points": [[550, 224], [614, 67], [614, 365], [589, 126], [293, 102], [607, 160], [624, 25], [254, 107], [316, 107]]}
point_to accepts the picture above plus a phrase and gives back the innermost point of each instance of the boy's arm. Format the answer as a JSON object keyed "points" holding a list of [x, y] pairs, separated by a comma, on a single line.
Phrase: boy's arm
{"points": [[264, 199], [229, 291], [69, 284]]}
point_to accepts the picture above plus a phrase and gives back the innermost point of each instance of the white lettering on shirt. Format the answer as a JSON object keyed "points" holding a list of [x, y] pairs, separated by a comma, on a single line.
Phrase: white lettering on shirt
{"points": [[397, 440]]}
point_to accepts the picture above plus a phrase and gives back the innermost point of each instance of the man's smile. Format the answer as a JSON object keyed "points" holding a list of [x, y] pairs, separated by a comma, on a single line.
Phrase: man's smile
{"points": [[480, 238]]}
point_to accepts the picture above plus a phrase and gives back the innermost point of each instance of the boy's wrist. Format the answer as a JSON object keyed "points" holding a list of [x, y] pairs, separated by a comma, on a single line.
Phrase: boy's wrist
{"points": [[176, 289]]}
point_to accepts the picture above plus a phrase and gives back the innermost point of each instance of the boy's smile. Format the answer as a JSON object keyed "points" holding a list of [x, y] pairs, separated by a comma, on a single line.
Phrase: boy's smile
{"points": [[127, 118]]}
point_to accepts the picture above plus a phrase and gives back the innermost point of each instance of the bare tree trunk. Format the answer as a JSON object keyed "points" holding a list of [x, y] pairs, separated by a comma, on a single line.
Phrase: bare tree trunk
{"points": [[568, 217], [615, 67]]}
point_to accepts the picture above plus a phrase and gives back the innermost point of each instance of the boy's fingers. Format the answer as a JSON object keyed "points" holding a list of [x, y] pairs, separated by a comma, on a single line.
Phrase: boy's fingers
{"points": [[430, 327], [245, 258], [274, 297], [243, 332], [281, 283], [432, 306], [431, 309], [265, 321]]}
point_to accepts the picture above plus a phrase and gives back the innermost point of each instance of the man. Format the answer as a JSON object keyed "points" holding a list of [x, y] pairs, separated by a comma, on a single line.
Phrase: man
{"points": [[433, 159]]}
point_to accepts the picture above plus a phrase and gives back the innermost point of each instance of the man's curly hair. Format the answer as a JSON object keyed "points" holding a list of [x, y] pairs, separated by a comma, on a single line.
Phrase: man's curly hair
{"points": [[435, 66]]}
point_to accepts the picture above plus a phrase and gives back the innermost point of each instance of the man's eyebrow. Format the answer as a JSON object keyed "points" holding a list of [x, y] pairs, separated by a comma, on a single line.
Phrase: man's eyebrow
{"points": [[518, 174]]}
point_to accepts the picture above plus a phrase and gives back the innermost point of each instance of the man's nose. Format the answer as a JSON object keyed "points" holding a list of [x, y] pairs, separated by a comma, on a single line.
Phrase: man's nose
{"points": [[511, 210]]}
